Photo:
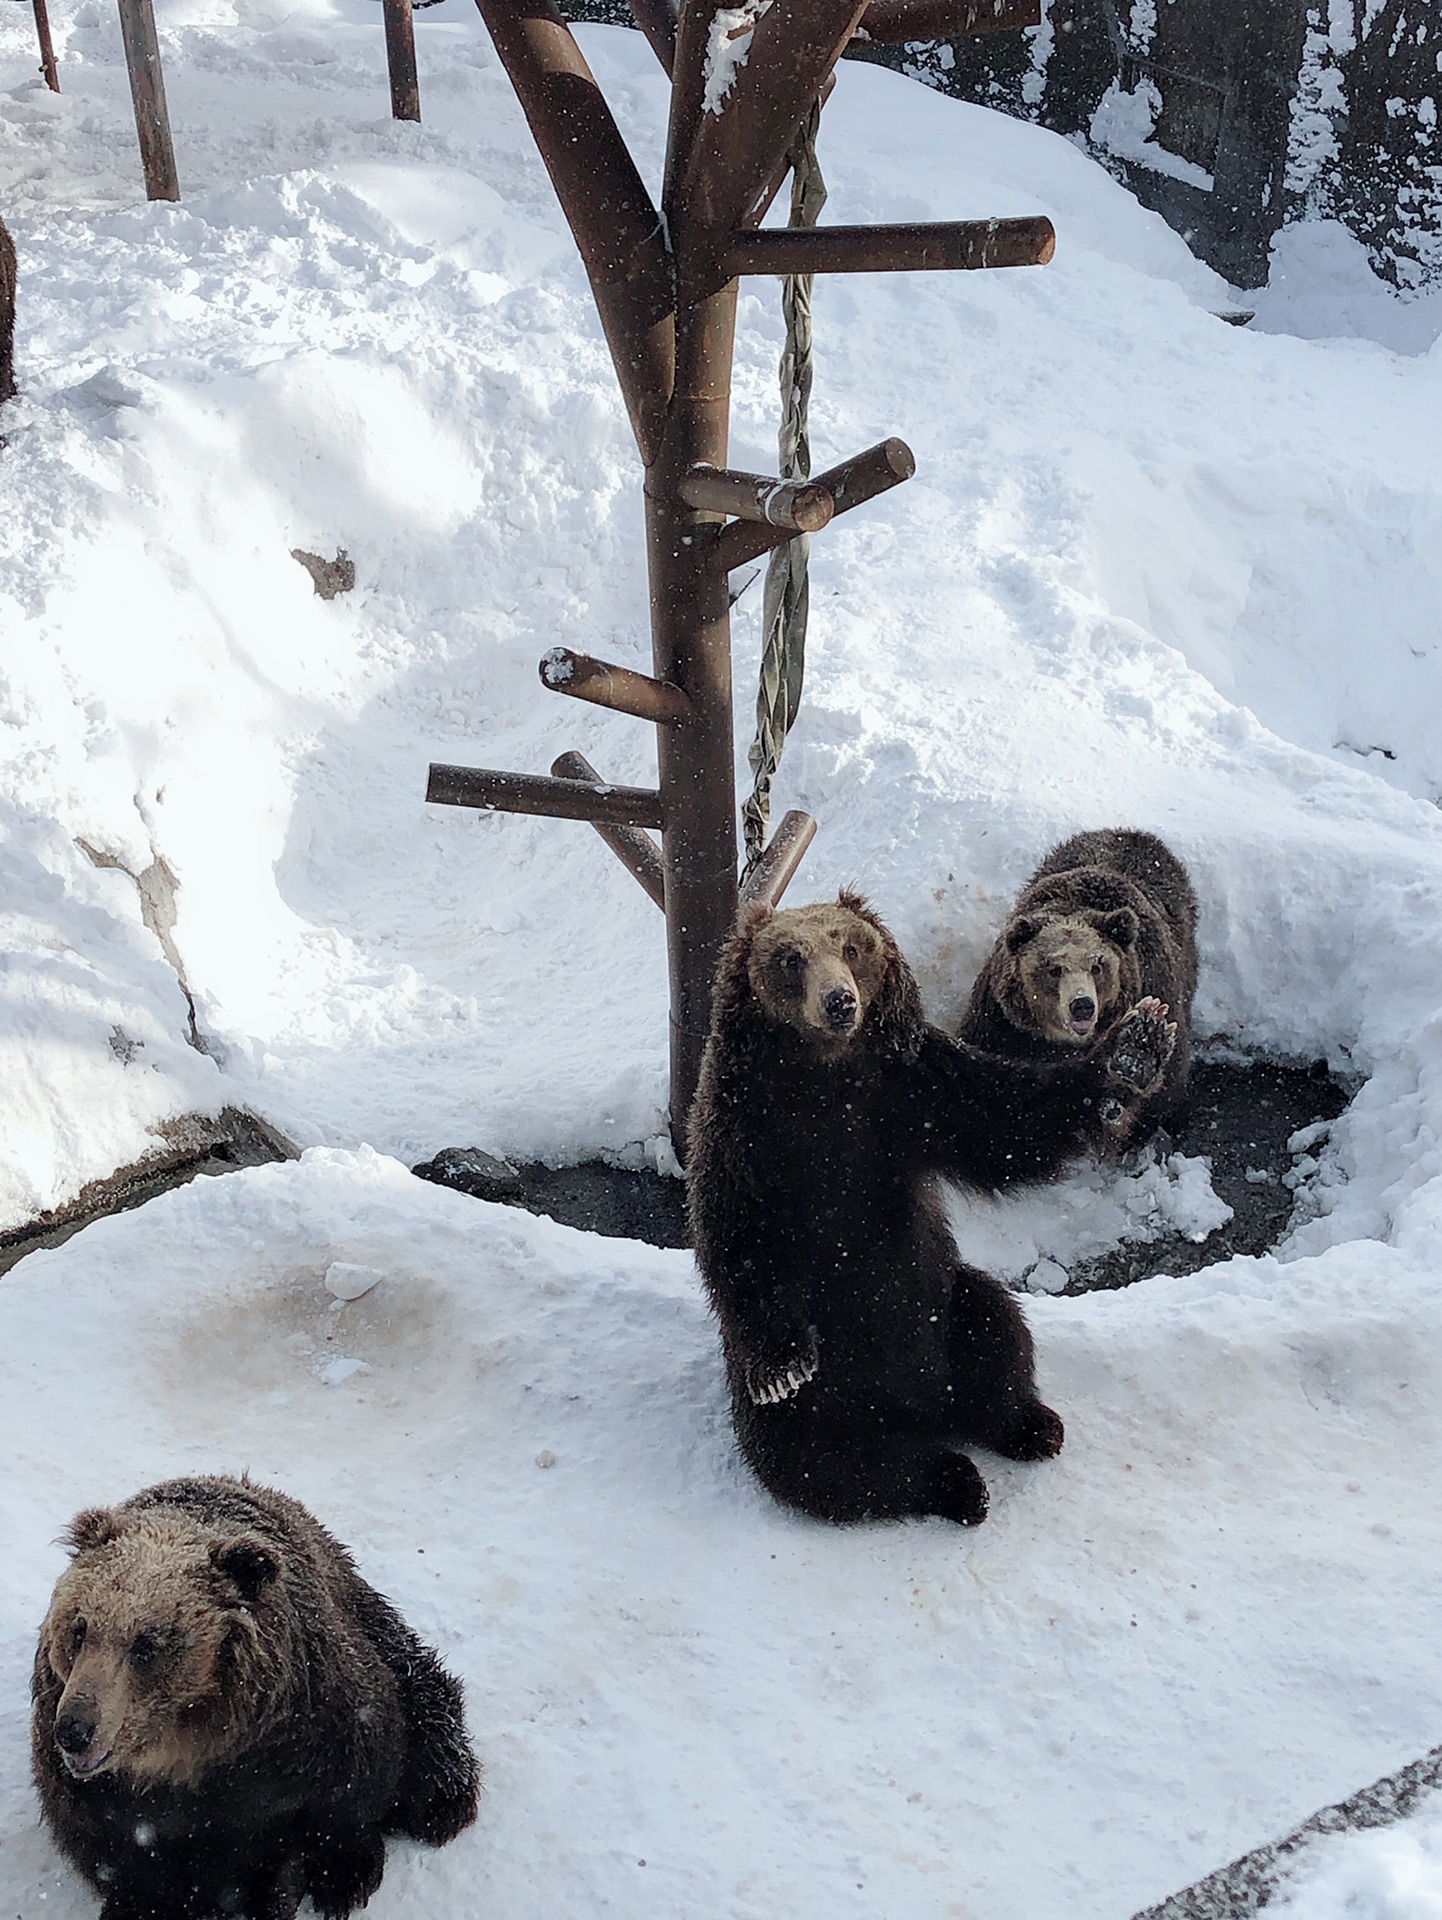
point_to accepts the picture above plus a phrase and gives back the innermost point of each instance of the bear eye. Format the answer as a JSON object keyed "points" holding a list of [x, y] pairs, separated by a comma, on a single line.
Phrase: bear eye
{"points": [[144, 1651], [850, 953], [1097, 964], [792, 962], [1054, 973], [77, 1635]]}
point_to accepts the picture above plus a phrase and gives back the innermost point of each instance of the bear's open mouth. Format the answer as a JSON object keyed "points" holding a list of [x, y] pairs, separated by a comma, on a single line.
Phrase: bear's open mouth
{"points": [[1082, 1029], [82, 1765]]}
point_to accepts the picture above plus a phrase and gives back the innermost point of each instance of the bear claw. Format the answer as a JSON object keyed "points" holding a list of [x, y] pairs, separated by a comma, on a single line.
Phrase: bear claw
{"points": [[769, 1383]]}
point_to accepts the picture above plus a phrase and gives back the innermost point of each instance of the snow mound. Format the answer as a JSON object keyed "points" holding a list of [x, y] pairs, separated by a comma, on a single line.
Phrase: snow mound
{"points": [[523, 1434]]}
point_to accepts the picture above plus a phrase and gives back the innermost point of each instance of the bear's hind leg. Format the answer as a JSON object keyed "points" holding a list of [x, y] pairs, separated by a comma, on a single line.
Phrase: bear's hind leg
{"points": [[993, 1377], [839, 1474], [1033, 1433], [441, 1784]]}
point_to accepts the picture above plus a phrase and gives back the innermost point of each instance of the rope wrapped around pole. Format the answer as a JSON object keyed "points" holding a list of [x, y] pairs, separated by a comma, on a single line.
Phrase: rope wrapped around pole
{"points": [[786, 599]]}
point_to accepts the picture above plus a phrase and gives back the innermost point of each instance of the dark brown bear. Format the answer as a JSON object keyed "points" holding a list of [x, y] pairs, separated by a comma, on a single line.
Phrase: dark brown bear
{"points": [[862, 1353], [1107, 919], [227, 1718], [7, 314]]}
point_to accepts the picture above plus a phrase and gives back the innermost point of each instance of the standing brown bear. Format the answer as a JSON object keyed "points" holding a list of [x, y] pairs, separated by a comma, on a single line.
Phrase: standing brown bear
{"points": [[1107, 919], [227, 1718], [862, 1353]]}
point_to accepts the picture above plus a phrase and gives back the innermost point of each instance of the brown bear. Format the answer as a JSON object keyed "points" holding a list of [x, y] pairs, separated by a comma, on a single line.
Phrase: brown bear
{"points": [[7, 314], [227, 1718], [1107, 919], [862, 1353]]}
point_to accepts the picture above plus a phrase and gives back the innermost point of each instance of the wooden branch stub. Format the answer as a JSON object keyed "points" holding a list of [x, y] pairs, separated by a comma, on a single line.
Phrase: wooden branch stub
{"points": [[616, 229], [723, 156], [801, 506], [636, 851], [890, 23], [925, 246], [495, 792], [856, 480], [619, 688], [866, 474], [771, 875]]}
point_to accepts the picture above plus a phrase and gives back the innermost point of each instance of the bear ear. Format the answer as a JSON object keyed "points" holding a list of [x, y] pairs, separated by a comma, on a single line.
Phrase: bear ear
{"points": [[1120, 927], [855, 902], [895, 1016], [93, 1528], [752, 918], [1019, 932], [247, 1561]]}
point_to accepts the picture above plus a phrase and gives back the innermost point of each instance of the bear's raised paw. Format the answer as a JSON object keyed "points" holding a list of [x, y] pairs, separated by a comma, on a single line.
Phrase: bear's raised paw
{"points": [[1141, 1046]]}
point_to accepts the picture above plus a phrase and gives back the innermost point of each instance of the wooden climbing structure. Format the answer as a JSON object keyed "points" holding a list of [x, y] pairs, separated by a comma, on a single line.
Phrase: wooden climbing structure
{"points": [[744, 78]]}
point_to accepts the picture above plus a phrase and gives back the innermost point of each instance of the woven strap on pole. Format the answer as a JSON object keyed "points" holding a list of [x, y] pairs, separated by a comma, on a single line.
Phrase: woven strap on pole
{"points": [[784, 606]]}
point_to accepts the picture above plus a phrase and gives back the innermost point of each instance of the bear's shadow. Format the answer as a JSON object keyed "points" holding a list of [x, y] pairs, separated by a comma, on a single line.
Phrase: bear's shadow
{"points": [[1240, 1115]]}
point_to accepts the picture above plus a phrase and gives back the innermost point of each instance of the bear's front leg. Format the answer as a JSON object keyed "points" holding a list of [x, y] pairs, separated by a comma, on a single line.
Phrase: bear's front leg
{"points": [[275, 1893], [149, 1894], [343, 1869]]}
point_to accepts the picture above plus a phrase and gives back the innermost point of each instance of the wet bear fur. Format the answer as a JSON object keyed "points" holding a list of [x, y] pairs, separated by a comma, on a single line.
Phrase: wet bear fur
{"points": [[228, 1718], [862, 1353], [1108, 919], [7, 314]]}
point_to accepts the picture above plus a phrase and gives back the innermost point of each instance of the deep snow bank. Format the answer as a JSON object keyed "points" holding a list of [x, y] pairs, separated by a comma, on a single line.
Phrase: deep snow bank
{"points": [[1131, 525]]}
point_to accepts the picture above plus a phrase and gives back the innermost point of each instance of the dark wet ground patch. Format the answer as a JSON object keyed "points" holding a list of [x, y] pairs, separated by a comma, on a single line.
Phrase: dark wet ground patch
{"points": [[193, 1146], [1241, 1117], [621, 1202]]}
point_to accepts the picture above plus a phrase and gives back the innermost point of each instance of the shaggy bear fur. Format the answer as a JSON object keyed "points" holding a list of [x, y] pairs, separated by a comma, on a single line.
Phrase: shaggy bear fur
{"points": [[1107, 919], [862, 1354], [7, 314], [226, 1717]]}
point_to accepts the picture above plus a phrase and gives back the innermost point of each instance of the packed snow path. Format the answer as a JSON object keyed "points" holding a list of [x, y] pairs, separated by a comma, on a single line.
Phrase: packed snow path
{"points": [[1153, 570]]}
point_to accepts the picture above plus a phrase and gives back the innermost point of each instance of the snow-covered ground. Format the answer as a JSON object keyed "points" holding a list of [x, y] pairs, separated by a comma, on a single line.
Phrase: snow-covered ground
{"points": [[1153, 569]]}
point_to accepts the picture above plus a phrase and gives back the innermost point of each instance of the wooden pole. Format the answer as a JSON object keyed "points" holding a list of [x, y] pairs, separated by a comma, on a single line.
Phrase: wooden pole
{"points": [[401, 59], [657, 20], [616, 229], [691, 649], [147, 92], [665, 289], [47, 46], [728, 162]]}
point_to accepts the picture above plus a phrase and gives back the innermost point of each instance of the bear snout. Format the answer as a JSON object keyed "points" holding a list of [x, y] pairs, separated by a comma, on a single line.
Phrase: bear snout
{"points": [[839, 1006], [75, 1727]]}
